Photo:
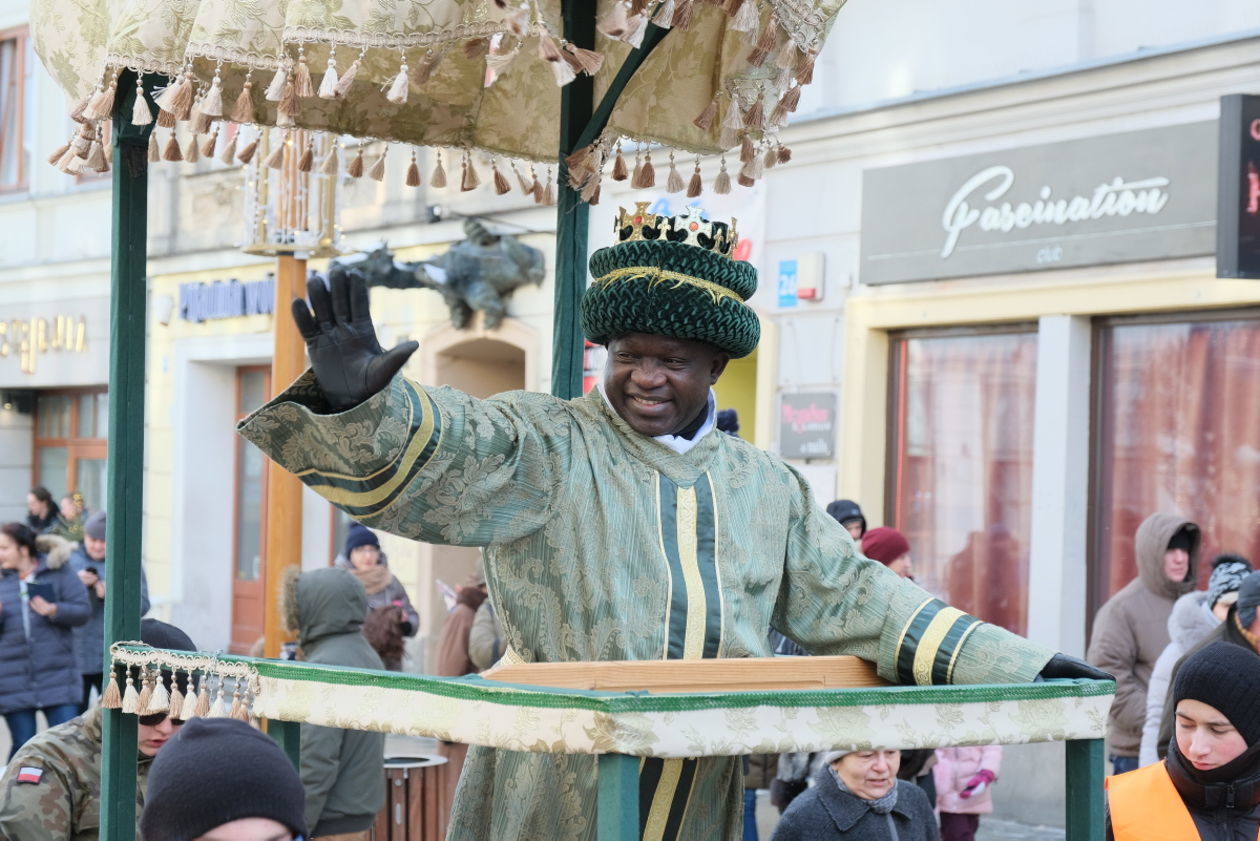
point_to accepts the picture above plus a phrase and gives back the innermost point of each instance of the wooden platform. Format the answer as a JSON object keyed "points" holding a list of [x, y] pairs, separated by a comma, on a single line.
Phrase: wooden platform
{"points": [[671, 676]]}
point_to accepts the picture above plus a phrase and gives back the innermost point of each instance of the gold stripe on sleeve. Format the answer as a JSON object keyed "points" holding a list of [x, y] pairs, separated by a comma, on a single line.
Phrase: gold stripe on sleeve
{"points": [[930, 643], [697, 604]]}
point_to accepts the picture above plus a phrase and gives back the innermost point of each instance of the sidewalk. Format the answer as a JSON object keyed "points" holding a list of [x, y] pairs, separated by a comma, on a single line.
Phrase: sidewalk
{"points": [[992, 829]]}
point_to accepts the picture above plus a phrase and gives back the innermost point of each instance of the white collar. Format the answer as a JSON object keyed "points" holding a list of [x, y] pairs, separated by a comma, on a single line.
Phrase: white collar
{"points": [[677, 443]]}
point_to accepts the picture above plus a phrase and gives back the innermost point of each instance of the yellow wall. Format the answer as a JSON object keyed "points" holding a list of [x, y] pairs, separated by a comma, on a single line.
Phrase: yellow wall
{"points": [[737, 389], [1097, 291]]}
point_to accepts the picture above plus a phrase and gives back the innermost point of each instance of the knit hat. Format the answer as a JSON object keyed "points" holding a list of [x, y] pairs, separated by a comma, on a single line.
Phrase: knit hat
{"points": [[1228, 571], [1248, 599], [360, 535], [95, 526], [884, 544], [844, 511], [1225, 676], [672, 276], [1184, 538], [215, 771]]}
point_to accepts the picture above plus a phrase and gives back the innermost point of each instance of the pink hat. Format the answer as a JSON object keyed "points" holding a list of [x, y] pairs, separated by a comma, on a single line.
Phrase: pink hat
{"points": [[884, 544]]}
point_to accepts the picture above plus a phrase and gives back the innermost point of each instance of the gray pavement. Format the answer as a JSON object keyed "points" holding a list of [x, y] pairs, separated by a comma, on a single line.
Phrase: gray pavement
{"points": [[992, 829]]}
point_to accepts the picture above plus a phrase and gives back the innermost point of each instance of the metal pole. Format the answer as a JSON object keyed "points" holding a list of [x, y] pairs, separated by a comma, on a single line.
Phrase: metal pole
{"points": [[128, 296]]}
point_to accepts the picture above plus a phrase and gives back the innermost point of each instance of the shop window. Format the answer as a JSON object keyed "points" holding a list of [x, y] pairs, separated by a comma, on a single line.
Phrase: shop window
{"points": [[960, 466], [1175, 414], [253, 384], [71, 432], [12, 87]]}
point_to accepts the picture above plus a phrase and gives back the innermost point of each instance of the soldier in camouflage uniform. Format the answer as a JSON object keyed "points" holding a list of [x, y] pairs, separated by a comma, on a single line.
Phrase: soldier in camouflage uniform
{"points": [[51, 790]]}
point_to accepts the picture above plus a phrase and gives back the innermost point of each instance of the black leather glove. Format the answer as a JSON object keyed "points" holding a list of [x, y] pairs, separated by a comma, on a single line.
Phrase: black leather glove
{"points": [[1064, 666], [349, 363]]}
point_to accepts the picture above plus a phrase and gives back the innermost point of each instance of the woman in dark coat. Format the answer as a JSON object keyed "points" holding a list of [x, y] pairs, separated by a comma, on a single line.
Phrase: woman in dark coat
{"points": [[42, 514], [856, 796], [38, 670]]}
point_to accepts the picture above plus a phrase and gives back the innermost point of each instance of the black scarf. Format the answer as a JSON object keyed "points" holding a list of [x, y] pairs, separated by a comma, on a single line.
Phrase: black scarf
{"points": [[1234, 786]]}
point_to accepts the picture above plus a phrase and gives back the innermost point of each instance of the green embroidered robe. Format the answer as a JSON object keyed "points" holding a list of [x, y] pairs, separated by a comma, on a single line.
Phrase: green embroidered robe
{"points": [[603, 544]]}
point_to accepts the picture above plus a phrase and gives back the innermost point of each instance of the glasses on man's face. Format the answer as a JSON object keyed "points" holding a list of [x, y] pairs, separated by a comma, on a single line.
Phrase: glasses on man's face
{"points": [[154, 719]]}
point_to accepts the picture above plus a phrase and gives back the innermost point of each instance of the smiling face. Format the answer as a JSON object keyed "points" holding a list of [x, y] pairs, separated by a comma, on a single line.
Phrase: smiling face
{"points": [[1205, 737], [869, 774], [659, 385]]}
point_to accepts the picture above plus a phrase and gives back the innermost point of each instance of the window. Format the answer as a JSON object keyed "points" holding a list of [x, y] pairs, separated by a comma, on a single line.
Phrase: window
{"points": [[253, 385], [1175, 415], [960, 466], [13, 69], [71, 432]]}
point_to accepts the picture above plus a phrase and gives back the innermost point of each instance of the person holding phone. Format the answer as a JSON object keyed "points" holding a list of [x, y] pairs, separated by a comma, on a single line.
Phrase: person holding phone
{"points": [[41, 601]]}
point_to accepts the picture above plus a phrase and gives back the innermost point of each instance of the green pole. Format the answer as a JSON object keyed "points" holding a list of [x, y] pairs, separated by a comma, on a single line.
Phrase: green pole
{"points": [[617, 807], [126, 446], [1085, 821], [288, 734]]}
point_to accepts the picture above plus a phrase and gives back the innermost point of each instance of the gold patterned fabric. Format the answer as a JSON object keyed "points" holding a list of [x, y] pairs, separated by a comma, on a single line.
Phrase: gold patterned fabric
{"points": [[474, 75], [602, 544]]}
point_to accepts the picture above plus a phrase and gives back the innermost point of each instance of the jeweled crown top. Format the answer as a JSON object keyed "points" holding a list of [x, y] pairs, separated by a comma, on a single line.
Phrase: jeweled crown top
{"points": [[688, 228]]}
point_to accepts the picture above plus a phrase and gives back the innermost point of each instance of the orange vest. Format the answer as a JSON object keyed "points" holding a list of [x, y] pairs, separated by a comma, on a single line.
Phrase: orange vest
{"points": [[1145, 806]]}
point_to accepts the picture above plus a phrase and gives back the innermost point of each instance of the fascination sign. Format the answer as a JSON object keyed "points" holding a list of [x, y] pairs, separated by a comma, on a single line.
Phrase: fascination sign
{"points": [[1142, 195]]}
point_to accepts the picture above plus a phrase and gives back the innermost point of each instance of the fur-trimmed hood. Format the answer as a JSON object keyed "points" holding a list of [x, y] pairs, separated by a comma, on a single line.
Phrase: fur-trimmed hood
{"points": [[321, 603], [1190, 620], [56, 550]]}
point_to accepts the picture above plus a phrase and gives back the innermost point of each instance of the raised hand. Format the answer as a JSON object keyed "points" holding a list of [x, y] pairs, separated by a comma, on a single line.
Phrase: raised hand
{"points": [[349, 363], [1066, 666]]}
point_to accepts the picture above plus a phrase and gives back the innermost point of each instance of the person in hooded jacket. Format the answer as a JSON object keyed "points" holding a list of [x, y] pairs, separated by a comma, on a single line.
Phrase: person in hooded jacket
{"points": [[1193, 618], [386, 595], [1131, 629], [341, 770], [1208, 787], [38, 671]]}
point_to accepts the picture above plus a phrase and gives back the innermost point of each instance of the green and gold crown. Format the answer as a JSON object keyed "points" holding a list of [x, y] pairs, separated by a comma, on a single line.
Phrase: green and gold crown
{"points": [[672, 276], [690, 229]]}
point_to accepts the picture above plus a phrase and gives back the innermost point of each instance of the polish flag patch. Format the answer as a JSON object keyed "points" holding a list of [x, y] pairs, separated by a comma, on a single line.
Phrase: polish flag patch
{"points": [[28, 774]]}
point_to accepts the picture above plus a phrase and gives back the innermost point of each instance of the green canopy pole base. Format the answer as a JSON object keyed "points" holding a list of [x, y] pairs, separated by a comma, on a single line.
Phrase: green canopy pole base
{"points": [[617, 810], [1085, 821], [288, 734]]}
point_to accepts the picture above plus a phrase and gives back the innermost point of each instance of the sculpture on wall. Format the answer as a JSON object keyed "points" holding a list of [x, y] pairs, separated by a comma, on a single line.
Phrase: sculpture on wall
{"points": [[479, 272]]}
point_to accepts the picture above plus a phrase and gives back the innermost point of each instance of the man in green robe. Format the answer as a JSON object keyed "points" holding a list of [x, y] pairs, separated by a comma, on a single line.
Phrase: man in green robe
{"points": [[618, 525]]}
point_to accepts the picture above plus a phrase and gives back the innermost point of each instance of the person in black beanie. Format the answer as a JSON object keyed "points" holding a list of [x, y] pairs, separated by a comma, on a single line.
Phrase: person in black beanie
{"points": [[849, 514], [1208, 787], [222, 780]]}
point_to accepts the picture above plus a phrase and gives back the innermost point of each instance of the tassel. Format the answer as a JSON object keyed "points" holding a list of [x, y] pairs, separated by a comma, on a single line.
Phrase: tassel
{"points": [[56, 156], [165, 119], [695, 186], [398, 88], [755, 117], [141, 114], [178, 97], [588, 61], [430, 64], [637, 175], [347, 79], [785, 154], [722, 184], [770, 159], [302, 78], [563, 73], [189, 710], [733, 119], [219, 708], [82, 142], [747, 151], [107, 155], [786, 59], [619, 172], [638, 27], [229, 149], [518, 23], [193, 152], [237, 707], [102, 103], [469, 180], [355, 168], [751, 172], [746, 19], [590, 192], [201, 125], [240, 713], [243, 110], [615, 24], [501, 184], [247, 154], [474, 49], [275, 159], [438, 179], [155, 154], [159, 699], [330, 165], [146, 693], [413, 171], [664, 17], [765, 44], [674, 183], [805, 68], [731, 7], [707, 115], [275, 90], [111, 698], [536, 188], [527, 187], [682, 14], [307, 162], [582, 164], [328, 85], [203, 699], [171, 151], [71, 164], [547, 49], [212, 102], [130, 697], [76, 113], [290, 105], [177, 698], [549, 194], [785, 106], [648, 175], [377, 172]]}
